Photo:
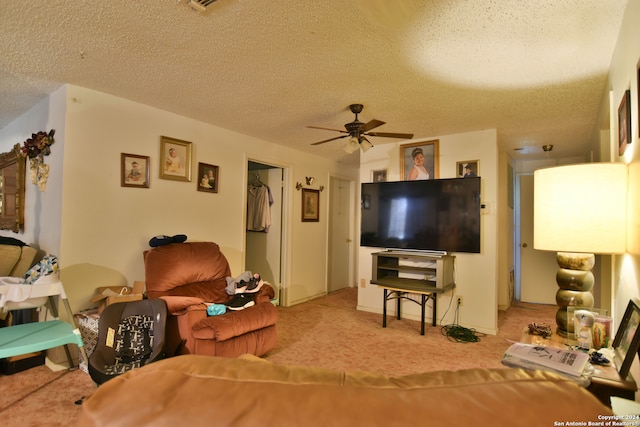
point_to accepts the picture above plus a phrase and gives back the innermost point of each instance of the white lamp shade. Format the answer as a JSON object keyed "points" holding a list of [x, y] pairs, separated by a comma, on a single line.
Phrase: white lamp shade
{"points": [[365, 145], [352, 145], [581, 208]]}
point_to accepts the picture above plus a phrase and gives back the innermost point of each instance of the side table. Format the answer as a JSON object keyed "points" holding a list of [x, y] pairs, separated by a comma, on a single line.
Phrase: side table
{"points": [[403, 291], [605, 381]]}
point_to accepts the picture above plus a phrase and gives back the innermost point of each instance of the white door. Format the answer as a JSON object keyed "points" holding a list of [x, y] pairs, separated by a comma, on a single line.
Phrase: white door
{"points": [[537, 268], [340, 235]]}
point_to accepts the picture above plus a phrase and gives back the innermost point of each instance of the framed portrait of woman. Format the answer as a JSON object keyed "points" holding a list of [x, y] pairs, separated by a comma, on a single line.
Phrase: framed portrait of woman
{"points": [[419, 161]]}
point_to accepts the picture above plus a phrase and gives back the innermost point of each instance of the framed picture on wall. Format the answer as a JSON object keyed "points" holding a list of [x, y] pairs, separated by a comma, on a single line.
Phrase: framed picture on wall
{"points": [[310, 205], [175, 159], [624, 122], [468, 169], [419, 161], [207, 178], [134, 170], [379, 175]]}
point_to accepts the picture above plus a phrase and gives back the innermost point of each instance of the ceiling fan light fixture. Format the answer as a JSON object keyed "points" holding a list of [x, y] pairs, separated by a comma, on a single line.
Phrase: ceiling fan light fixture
{"points": [[352, 145], [357, 132], [365, 145]]}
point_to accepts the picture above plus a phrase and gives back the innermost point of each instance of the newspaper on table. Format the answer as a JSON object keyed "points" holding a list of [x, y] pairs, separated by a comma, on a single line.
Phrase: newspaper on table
{"points": [[569, 362]]}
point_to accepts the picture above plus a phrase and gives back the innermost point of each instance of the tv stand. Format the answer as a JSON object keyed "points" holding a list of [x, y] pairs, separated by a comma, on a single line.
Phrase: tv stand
{"points": [[401, 273]]}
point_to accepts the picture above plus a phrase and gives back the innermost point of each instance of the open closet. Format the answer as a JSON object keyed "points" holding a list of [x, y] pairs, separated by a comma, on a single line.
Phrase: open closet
{"points": [[264, 228]]}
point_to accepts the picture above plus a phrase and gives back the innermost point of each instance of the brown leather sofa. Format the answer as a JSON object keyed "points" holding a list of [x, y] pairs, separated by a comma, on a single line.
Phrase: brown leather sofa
{"points": [[205, 391], [189, 275]]}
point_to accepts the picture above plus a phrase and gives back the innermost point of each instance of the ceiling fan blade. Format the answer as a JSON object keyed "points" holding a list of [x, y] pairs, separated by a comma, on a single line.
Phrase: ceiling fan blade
{"points": [[371, 124], [330, 139], [391, 135], [319, 127]]}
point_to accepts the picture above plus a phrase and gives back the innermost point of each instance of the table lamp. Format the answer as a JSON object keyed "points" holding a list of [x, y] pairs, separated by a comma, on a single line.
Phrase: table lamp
{"points": [[579, 210]]}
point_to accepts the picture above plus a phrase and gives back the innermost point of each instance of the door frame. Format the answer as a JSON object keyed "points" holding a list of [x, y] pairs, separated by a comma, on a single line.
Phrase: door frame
{"points": [[352, 229], [285, 236]]}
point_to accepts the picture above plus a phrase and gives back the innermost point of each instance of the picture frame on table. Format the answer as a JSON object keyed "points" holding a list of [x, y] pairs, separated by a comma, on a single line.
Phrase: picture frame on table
{"points": [[134, 170], [627, 341], [175, 159], [413, 167], [468, 169], [207, 178], [624, 122], [310, 205]]}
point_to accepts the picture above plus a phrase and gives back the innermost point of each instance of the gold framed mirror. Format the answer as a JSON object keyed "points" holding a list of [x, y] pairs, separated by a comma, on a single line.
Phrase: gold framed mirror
{"points": [[12, 182]]}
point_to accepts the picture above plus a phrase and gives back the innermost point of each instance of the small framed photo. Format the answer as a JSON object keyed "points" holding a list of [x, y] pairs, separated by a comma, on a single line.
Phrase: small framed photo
{"points": [[379, 175], [624, 122], [175, 159], [468, 169], [627, 340], [419, 161], [310, 205], [207, 178], [134, 170]]}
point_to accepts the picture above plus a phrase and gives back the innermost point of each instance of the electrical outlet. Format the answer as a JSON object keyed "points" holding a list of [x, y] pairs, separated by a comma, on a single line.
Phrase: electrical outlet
{"points": [[363, 283], [459, 300]]}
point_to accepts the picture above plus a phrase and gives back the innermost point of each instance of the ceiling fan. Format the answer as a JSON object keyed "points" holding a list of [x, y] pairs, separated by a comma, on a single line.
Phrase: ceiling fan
{"points": [[357, 132]]}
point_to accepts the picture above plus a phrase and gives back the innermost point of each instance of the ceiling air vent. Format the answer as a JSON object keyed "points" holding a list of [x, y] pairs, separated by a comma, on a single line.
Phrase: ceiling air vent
{"points": [[201, 5]]}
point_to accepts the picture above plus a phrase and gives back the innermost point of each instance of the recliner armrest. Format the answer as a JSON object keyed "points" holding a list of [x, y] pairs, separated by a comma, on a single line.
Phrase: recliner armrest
{"points": [[177, 305], [235, 323], [265, 294]]}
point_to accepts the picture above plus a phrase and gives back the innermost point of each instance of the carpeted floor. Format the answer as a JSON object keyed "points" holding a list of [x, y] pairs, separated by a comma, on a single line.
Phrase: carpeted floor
{"points": [[326, 332]]}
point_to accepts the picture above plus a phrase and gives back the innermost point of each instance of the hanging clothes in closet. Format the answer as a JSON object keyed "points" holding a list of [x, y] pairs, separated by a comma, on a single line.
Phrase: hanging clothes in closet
{"points": [[259, 201]]}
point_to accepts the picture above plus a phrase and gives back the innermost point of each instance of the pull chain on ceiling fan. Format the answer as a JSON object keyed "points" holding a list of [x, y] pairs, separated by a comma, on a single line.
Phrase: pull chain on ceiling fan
{"points": [[357, 132]]}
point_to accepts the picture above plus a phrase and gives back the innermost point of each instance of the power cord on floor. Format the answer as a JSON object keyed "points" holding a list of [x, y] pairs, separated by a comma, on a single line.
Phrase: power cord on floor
{"points": [[457, 333]]}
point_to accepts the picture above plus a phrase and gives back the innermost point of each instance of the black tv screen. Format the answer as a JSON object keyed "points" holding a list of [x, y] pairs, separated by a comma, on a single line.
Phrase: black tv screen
{"points": [[429, 215]]}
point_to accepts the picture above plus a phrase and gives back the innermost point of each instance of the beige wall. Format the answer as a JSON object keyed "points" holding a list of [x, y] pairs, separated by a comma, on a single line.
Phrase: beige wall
{"points": [[623, 75], [100, 229], [43, 213], [476, 274]]}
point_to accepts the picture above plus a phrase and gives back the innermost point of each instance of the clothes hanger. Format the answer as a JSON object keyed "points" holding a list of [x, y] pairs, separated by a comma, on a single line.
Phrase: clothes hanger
{"points": [[256, 180]]}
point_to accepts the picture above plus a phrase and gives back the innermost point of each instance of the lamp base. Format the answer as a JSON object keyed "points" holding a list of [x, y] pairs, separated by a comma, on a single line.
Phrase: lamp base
{"points": [[575, 281]]}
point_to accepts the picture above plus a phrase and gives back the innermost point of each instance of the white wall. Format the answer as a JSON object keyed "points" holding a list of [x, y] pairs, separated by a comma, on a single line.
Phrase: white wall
{"points": [[476, 274], [102, 228], [43, 213], [623, 75]]}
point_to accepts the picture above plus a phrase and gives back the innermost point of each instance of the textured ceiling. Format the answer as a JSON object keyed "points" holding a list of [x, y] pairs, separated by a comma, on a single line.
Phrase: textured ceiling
{"points": [[533, 70]]}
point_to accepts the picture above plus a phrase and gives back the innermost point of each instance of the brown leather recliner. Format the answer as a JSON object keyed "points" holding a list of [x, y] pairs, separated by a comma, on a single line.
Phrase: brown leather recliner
{"points": [[189, 275]]}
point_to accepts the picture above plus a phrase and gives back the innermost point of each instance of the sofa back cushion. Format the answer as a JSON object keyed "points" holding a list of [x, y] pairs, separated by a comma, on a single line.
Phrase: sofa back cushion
{"points": [[195, 269], [243, 392], [9, 256]]}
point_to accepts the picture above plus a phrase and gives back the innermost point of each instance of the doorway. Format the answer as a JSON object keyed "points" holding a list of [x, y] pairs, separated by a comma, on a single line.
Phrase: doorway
{"points": [[535, 270], [264, 248], [341, 230]]}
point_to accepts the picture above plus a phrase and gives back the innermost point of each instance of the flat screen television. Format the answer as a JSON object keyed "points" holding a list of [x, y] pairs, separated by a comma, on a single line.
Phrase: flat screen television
{"points": [[429, 215]]}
